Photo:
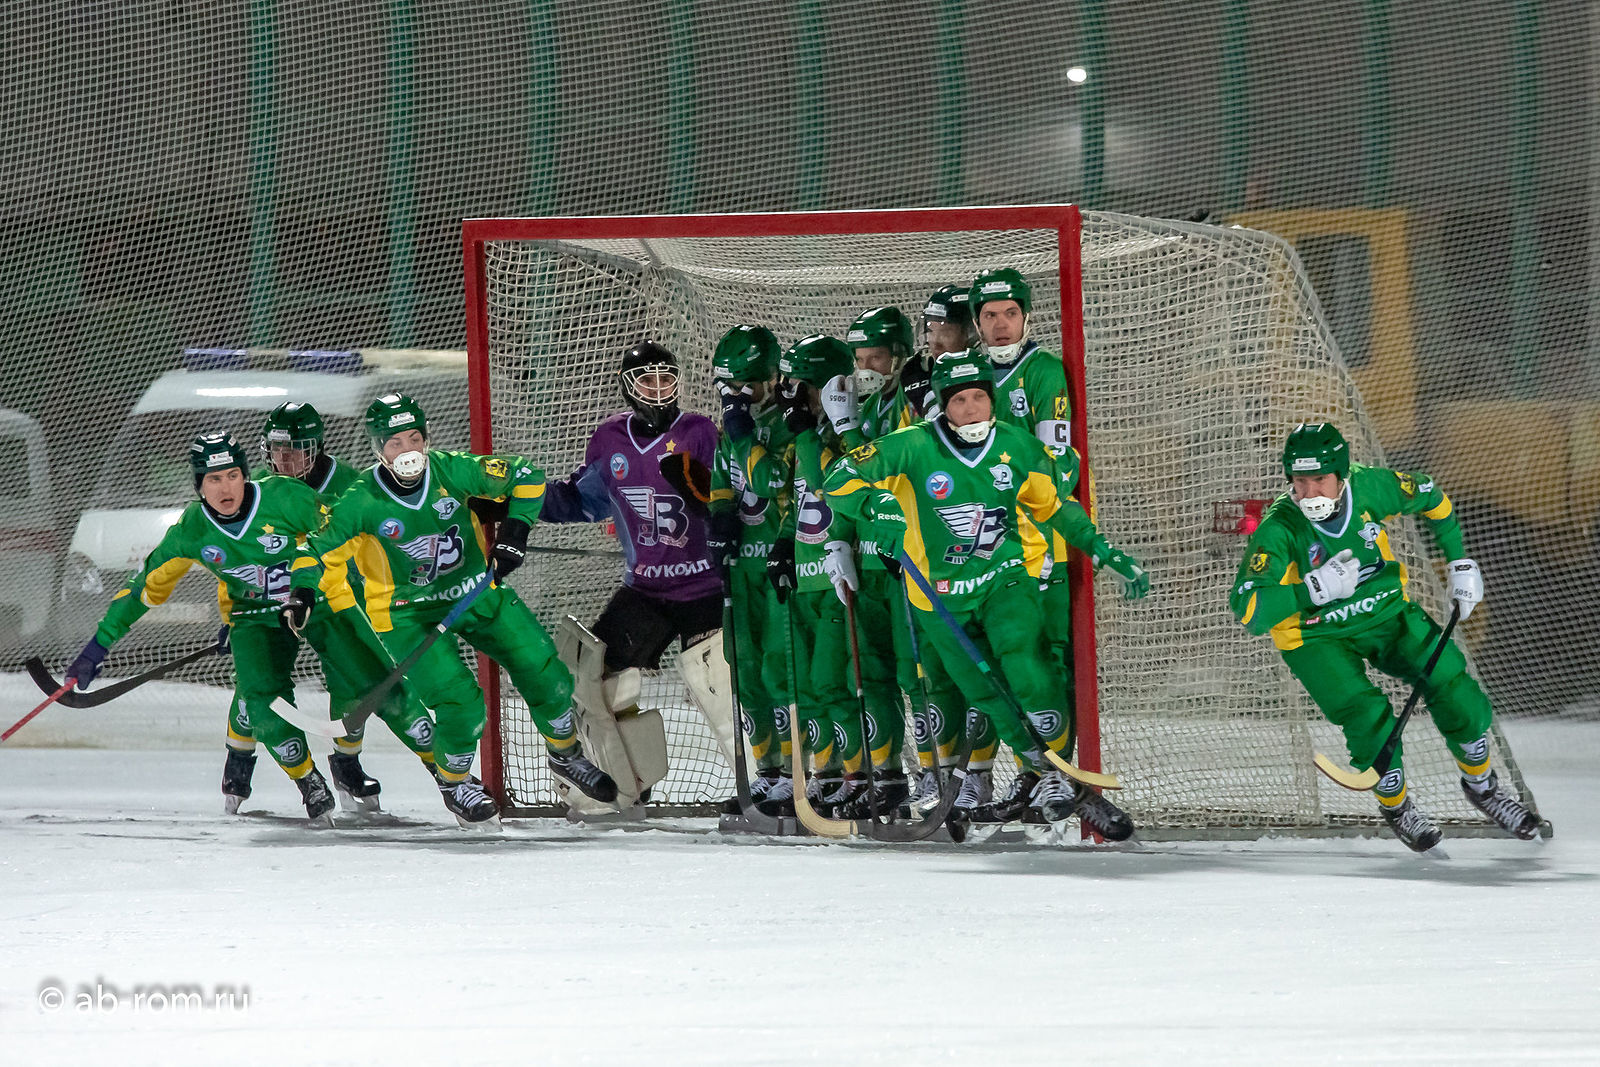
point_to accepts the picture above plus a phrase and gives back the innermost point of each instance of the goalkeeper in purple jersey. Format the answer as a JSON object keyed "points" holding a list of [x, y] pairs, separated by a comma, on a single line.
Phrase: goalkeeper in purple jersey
{"points": [[648, 469]]}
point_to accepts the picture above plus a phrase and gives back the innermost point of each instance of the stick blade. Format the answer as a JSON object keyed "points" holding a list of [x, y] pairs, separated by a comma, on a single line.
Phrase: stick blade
{"points": [[306, 723], [1356, 781], [1078, 774]]}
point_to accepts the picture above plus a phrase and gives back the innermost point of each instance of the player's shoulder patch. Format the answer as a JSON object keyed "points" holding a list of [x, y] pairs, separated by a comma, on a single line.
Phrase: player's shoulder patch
{"points": [[1408, 484], [1062, 408], [864, 452], [1259, 561], [494, 466]]}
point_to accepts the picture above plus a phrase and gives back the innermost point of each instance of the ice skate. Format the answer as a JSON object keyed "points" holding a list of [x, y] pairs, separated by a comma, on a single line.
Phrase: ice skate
{"points": [[574, 768], [1101, 815], [236, 773], [928, 792], [357, 792], [1010, 806], [977, 789], [318, 799], [1507, 812], [760, 786], [1411, 825], [473, 808], [779, 799], [890, 788]]}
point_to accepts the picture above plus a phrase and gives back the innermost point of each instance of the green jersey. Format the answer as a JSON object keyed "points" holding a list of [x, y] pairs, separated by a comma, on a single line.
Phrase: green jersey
{"points": [[1031, 394], [1269, 595], [882, 413], [418, 552], [340, 477], [257, 558], [752, 478], [961, 504], [811, 522]]}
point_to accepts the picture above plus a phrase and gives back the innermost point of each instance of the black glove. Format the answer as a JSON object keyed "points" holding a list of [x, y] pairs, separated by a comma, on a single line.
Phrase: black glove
{"points": [[917, 381], [690, 477], [780, 567], [794, 400], [737, 422], [722, 544], [225, 640], [297, 609], [891, 564], [510, 547], [87, 665]]}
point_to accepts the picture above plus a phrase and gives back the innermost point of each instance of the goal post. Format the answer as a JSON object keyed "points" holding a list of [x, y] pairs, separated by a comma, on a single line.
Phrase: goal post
{"points": [[1190, 350]]}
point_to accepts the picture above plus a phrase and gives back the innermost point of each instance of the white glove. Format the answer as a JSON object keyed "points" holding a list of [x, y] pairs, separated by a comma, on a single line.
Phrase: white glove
{"points": [[1466, 584], [1334, 580], [839, 403], [839, 564]]}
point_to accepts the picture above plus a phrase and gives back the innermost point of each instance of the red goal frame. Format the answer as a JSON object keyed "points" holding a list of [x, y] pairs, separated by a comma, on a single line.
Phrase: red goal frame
{"points": [[1063, 218]]}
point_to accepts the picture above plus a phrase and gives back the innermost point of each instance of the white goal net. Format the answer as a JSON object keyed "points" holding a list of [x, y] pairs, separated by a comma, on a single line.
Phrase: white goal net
{"points": [[1200, 348]]}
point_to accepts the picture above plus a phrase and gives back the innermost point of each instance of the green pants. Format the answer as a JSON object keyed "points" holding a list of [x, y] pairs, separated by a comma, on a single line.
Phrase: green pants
{"points": [[353, 662], [1057, 598], [882, 611], [1007, 625], [500, 625], [1334, 672], [824, 699], [263, 670], [756, 643]]}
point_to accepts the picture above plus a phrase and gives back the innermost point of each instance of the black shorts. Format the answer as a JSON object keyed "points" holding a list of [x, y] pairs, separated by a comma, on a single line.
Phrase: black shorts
{"points": [[637, 627]]}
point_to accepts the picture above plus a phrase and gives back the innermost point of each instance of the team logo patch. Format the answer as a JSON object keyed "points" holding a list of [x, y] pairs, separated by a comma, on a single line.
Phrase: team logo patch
{"points": [[290, 752], [1062, 407], [1002, 476], [495, 467], [446, 507], [866, 451], [393, 529], [1317, 554], [940, 484], [213, 554], [1408, 484], [619, 465], [1258, 563], [1370, 534], [273, 542], [1019, 402]]}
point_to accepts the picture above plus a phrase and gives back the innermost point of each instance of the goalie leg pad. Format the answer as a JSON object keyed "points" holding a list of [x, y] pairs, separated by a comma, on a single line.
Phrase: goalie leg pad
{"points": [[629, 745], [704, 668]]}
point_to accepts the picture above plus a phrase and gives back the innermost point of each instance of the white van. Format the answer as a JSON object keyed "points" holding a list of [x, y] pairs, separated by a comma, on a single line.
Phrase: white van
{"points": [[145, 481], [28, 541]]}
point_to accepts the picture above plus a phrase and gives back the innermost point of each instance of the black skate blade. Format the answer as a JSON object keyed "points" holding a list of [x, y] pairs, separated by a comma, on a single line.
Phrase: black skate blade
{"points": [[760, 823]]}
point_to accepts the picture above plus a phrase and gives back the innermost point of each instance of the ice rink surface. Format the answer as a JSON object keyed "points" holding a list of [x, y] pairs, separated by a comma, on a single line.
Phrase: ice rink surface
{"points": [[409, 941]]}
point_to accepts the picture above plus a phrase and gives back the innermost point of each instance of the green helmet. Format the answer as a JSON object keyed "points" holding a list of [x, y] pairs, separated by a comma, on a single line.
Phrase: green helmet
{"points": [[885, 327], [215, 452], [745, 354], [948, 304], [955, 371], [1001, 284], [394, 413], [1316, 448], [293, 425], [816, 360]]}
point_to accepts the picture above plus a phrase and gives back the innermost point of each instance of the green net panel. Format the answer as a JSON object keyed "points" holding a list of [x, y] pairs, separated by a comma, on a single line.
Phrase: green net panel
{"points": [[1202, 346]]}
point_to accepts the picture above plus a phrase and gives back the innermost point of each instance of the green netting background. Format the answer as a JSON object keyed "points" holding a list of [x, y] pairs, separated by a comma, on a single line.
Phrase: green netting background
{"points": [[294, 175]]}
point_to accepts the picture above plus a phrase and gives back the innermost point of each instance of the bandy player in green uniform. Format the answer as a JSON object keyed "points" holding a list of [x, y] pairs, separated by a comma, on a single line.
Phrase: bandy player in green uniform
{"points": [[292, 446], [1319, 576], [748, 487], [250, 535], [881, 340], [820, 548], [950, 489], [407, 525]]}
